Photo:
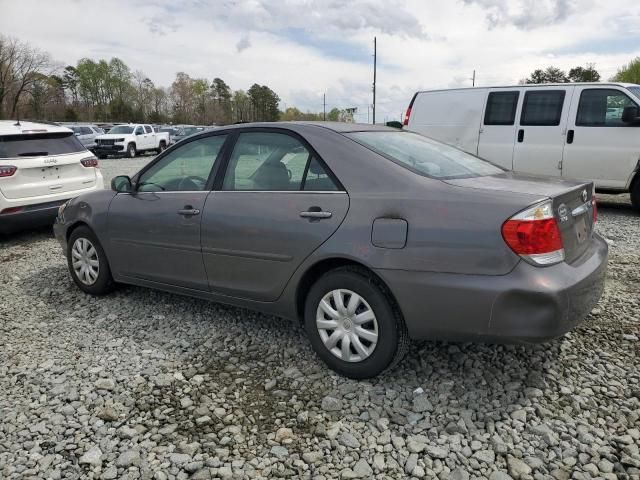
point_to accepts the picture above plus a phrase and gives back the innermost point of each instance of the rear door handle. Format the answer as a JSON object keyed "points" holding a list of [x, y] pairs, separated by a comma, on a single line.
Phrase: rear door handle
{"points": [[188, 211], [520, 135], [315, 214]]}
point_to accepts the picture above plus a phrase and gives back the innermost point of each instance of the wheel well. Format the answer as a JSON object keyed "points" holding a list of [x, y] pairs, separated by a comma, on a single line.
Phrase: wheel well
{"points": [[324, 266], [75, 226]]}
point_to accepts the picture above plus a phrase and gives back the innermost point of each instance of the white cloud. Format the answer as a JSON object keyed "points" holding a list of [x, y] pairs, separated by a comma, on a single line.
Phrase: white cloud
{"points": [[302, 48]]}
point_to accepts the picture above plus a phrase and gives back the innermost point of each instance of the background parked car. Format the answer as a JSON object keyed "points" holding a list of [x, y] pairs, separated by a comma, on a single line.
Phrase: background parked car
{"points": [[87, 134], [41, 167], [589, 131], [186, 131], [129, 140], [172, 131]]}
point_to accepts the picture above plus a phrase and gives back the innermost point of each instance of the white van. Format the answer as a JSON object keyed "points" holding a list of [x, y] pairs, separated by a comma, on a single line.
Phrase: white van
{"points": [[587, 131]]}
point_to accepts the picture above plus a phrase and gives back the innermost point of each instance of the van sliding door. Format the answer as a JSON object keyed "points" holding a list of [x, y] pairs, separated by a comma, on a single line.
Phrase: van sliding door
{"points": [[498, 130]]}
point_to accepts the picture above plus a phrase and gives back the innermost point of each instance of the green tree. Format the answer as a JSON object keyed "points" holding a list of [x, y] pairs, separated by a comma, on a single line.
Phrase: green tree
{"points": [[549, 75], [629, 73], [334, 115], [222, 96], [586, 74]]}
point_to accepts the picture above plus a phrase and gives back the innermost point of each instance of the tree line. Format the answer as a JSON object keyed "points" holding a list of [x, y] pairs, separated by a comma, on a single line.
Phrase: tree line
{"points": [[629, 73], [33, 86]]}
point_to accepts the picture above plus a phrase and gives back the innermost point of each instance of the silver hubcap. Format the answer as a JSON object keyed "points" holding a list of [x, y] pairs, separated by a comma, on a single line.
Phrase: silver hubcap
{"points": [[347, 325], [84, 259]]}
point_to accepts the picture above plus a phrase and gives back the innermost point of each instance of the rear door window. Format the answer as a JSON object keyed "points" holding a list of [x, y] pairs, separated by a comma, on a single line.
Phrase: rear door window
{"points": [[501, 108], [39, 144], [602, 107], [543, 108], [148, 129]]}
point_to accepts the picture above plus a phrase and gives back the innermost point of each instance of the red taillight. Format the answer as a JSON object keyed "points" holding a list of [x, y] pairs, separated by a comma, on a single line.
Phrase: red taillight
{"points": [[7, 170], [534, 235], [406, 117], [90, 162]]}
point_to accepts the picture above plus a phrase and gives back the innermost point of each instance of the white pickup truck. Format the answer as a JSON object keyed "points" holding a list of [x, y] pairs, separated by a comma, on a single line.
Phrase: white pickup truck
{"points": [[129, 140]]}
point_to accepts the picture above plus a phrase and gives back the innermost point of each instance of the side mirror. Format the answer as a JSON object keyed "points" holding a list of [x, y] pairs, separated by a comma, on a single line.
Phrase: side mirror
{"points": [[121, 184], [630, 115]]}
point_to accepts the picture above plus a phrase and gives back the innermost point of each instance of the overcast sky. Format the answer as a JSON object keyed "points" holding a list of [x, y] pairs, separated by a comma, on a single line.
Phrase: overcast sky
{"points": [[302, 48]]}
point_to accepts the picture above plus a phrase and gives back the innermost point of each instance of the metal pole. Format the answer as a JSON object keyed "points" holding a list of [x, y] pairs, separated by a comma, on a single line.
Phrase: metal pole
{"points": [[473, 84], [374, 78], [324, 107]]}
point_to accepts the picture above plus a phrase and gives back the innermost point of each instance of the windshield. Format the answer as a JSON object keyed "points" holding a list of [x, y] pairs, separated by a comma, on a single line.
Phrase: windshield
{"points": [[635, 91], [425, 156], [121, 129], [76, 129], [39, 144], [188, 131]]}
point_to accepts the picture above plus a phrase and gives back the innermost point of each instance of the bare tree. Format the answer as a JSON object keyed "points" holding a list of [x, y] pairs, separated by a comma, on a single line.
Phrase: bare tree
{"points": [[20, 67]]}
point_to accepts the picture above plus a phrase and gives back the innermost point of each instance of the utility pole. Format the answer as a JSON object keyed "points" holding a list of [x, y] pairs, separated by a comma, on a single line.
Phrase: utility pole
{"points": [[473, 79], [374, 78], [324, 107]]}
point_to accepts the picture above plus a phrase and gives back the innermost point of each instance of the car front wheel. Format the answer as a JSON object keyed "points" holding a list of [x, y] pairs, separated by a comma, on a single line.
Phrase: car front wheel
{"points": [[353, 325], [131, 150], [88, 263]]}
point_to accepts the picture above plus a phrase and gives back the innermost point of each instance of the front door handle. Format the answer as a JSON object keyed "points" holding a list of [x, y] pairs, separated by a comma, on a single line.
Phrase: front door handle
{"points": [[520, 135], [188, 211], [313, 214]]}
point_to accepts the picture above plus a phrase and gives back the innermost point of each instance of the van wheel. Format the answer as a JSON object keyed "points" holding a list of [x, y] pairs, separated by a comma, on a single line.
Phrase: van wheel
{"points": [[131, 150], [88, 263], [635, 194], [353, 325]]}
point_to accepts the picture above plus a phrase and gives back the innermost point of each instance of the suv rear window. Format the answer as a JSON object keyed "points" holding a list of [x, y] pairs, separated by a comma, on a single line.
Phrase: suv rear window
{"points": [[425, 156], [39, 144]]}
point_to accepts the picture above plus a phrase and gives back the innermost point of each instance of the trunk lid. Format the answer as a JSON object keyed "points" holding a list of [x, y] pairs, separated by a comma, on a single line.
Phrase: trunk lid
{"points": [[572, 203], [47, 163]]}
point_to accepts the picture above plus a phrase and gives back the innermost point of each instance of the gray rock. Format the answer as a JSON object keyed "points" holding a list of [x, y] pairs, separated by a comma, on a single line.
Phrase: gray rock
{"points": [[458, 474], [128, 458], [486, 456], [517, 468], [497, 475], [105, 384], [93, 456], [280, 452], [421, 403], [331, 404], [362, 469], [348, 440]]}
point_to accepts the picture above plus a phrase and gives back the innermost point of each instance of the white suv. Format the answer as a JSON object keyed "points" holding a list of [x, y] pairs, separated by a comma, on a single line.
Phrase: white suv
{"points": [[41, 167]]}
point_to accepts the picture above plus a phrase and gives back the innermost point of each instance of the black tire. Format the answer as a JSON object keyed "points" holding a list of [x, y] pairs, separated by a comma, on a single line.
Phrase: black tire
{"points": [[162, 146], [104, 281], [131, 150], [393, 340], [635, 193]]}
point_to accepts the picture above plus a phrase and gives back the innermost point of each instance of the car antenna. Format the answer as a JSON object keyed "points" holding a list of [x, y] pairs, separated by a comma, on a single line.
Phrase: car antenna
{"points": [[17, 124]]}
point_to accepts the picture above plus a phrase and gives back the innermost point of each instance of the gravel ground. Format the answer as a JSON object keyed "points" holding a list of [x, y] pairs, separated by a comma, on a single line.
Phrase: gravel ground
{"points": [[144, 384]]}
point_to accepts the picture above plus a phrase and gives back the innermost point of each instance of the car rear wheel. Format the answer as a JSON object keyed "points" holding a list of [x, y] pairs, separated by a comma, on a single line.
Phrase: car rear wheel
{"points": [[131, 150], [88, 263], [162, 147], [353, 324]]}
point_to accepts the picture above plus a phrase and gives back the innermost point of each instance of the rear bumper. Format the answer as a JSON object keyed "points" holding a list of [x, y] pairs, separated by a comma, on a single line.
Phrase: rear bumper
{"points": [[30, 216], [528, 305]]}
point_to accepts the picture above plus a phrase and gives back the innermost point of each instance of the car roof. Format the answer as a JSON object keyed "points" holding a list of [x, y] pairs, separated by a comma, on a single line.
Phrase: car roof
{"points": [[13, 127], [535, 85], [339, 127]]}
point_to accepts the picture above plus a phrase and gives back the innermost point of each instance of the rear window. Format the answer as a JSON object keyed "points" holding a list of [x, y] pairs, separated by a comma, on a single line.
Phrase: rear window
{"points": [[425, 156], [39, 144]]}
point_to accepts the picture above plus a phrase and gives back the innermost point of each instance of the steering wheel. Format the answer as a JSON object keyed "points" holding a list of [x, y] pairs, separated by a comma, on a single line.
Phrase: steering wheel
{"points": [[198, 182]]}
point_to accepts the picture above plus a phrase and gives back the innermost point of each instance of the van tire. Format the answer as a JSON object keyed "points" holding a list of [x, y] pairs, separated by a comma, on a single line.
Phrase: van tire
{"points": [[635, 193], [131, 150]]}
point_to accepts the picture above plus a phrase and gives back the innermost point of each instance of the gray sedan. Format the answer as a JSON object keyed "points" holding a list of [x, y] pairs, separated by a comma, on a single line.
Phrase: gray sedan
{"points": [[369, 235]]}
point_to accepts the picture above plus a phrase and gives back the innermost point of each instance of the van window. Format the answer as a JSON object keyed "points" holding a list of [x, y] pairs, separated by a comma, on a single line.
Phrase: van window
{"points": [[501, 108], [543, 108], [602, 107]]}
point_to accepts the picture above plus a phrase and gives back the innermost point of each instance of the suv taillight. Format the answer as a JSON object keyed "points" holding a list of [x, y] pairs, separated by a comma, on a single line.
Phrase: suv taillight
{"points": [[7, 170], [534, 235], [89, 162]]}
